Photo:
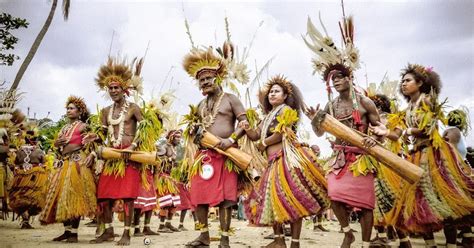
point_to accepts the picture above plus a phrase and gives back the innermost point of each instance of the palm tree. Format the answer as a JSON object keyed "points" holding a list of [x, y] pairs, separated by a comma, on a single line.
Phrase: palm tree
{"points": [[39, 38]]}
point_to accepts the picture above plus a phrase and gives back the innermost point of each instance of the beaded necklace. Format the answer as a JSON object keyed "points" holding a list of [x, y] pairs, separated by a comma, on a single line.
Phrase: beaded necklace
{"points": [[68, 131]]}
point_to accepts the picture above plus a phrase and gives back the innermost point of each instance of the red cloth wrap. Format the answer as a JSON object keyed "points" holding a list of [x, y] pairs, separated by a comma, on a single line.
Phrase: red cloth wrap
{"points": [[76, 137], [117, 187], [146, 199], [222, 186], [358, 192], [185, 198]]}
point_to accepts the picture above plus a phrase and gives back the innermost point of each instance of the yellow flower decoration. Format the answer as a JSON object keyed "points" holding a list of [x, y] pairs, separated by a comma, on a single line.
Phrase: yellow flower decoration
{"points": [[286, 119]]}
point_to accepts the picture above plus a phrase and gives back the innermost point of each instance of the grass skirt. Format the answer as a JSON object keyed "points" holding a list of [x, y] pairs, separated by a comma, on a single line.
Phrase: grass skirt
{"points": [[445, 192], [72, 193], [286, 193], [165, 184], [29, 190], [3, 180], [387, 191]]}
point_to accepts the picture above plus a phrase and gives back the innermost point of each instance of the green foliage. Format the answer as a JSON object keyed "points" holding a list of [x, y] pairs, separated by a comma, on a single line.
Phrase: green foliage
{"points": [[149, 129], [48, 134], [9, 23], [191, 119], [95, 126], [252, 117]]}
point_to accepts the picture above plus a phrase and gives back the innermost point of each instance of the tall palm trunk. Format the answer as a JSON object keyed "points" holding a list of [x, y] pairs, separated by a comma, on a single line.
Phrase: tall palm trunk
{"points": [[34, 47]]}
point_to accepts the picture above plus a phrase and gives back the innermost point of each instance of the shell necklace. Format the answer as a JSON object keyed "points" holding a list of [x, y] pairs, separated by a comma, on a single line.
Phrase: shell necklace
{"points": [[68, 131], [209, 117], [27, 149], [116, 142], [411, 116]]}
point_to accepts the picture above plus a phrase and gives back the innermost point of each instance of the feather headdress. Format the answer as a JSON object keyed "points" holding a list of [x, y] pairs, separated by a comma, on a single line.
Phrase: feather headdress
{"points": [[8, 100], [80, 105], [280, 80], [162, 108], [327, 57], [386, 87], [460, 119], [226, 64], [204, 60], [328, 60], [118, 71]]}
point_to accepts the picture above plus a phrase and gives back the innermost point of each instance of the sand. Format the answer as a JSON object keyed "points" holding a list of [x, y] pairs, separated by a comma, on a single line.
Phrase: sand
{"points": [[12, 236]]}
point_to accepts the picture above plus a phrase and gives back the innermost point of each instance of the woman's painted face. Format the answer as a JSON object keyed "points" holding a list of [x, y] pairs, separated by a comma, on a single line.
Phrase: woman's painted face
{"points": [[72, 111], [276, 96], [409, 85]]}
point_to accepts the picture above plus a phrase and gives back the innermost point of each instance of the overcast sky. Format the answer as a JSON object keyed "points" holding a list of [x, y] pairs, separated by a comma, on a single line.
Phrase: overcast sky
{"points": [[389, 34]]}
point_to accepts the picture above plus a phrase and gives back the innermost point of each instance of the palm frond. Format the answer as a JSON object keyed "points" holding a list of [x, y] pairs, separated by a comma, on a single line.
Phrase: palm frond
{"points": [[259, 73]]}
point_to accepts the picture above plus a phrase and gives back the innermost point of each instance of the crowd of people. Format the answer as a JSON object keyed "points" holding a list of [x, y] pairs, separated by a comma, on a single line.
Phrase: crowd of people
{"points": [[126, 160]]}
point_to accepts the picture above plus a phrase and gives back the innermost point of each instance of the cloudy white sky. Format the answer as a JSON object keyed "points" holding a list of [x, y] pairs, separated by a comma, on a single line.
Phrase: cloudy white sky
{"points": [[389, 34]]}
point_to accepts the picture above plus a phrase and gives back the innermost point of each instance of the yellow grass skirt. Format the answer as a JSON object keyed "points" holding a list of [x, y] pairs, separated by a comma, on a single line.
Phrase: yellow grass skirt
{"points": [[444, 193], [28, 192], [72, 192]]}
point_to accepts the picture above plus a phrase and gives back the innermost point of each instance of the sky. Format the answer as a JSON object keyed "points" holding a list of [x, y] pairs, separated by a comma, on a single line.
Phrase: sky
{"points": [[388, 34]]}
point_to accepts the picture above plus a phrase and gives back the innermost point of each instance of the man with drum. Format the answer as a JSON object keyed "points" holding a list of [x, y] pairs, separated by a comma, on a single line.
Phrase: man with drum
{"points": [[216, 185]]}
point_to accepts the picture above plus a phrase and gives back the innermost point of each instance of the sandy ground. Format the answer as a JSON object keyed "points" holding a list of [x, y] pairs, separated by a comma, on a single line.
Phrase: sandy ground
{"points": [[12, 236]]}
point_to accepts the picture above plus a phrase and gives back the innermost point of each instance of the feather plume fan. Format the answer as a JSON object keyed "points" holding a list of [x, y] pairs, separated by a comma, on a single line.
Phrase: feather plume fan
{"points": [[326, 54]]}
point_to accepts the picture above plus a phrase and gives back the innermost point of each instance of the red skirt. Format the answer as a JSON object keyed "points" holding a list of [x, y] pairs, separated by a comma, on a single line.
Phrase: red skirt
{"points": [[185, 198], [358, 192], [221, 186], [146, 199], [116, 187]]}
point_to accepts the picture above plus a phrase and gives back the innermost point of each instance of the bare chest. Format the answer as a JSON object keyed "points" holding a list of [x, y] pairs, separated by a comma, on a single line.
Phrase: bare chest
{"points": [[117, 115], [214, 112]]}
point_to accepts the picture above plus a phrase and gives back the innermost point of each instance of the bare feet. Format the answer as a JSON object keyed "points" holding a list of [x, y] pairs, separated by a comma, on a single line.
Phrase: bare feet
{"points": [[224, 243], [164, 229], [125, 240], [171, 227], [348, 240], [26, 225], [63, 236], [137, 232], [72, 238], [405, 244], [295, 244], [352, 230], [277, 243], [202, 241], [147, 231], [182, 228], [106, 236], [320, 228], [379, 242], [92, 223]]}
